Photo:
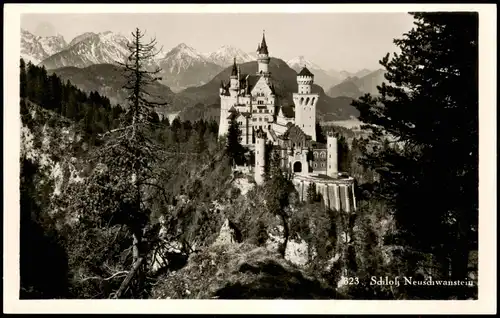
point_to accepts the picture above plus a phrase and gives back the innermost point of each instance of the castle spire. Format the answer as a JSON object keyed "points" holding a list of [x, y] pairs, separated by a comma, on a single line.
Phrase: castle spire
{"points": [[235, 69], [263, 45]]}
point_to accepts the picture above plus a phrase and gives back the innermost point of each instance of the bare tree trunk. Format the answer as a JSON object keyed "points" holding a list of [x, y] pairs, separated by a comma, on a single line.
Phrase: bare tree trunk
{"points": [[128, 279]]}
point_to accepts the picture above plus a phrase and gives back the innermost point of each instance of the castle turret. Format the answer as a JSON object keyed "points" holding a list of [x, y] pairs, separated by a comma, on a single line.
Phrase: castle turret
{"points": [[263, 57], [305, 103], [234, 79], [305, 79], [332, 156], [260, 148]]}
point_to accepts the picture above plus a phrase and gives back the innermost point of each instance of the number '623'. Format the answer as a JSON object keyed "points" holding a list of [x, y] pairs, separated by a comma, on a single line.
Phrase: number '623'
{"points": [[351, 280]]}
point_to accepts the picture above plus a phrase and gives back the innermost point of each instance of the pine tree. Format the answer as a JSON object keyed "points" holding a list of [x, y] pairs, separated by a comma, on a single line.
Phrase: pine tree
{"points": [[311, 193], [344, 155], [277, 195], [23, 79], [320, 134], [430, 108], [124, 183], [234, 149]]}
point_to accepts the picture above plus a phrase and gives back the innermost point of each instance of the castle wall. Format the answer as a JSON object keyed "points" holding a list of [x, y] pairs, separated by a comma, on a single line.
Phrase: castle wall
{"points": [[337, 195]]}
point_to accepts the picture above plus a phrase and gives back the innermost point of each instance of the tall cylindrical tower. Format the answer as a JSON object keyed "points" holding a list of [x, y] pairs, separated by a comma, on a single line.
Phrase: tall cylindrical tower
{"points": [[332, 169], [305, 103], [260, 148]]}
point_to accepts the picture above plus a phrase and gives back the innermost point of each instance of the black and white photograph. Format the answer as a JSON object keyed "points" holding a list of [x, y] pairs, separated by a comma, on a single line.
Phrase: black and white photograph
{"points": [[244, 155]]}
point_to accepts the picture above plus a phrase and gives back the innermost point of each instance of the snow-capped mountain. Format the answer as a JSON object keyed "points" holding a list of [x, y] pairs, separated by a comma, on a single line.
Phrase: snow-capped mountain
{"points": [[225, 55], [183, 66], [81, 37], [36, 48], [180, 58], [102, 48], [299, 62]]}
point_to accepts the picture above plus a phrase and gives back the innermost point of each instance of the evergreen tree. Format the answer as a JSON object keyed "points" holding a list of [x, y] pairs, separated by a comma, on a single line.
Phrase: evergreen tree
{"points": [[277, 195], [23, 79], [122, 187], [320, 134], [430, 108], [311, 193], [234, 149], [344, 155]]}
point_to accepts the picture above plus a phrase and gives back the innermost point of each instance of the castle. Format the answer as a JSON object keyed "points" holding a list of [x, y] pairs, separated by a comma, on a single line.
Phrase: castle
{"points": [[250, 100]]}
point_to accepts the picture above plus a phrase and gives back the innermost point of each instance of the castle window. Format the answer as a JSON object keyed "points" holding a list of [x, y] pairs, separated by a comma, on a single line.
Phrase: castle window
{"points": [[323, 165], [315, 165], [254, 119], [260, 118], [329, 156]]}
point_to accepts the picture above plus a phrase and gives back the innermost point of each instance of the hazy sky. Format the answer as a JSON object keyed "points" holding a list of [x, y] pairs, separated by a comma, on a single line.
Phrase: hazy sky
{"points": [[342, 41]]}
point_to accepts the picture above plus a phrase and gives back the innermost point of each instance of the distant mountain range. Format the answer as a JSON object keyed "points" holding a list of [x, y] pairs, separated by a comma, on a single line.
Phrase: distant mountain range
{"points": [[182, 66], [355, 86], [89, 49], [36, 48], [190, 79], [285, 81]]}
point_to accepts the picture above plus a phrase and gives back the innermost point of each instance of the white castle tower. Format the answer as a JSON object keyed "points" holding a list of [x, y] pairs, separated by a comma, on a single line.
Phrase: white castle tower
{"points": [[260, 148], [305, 103], [332, 169], [263, 58]]}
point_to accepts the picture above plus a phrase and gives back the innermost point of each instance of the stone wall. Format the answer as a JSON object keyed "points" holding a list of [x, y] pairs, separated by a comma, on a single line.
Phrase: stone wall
{"points": [[337, 194]]}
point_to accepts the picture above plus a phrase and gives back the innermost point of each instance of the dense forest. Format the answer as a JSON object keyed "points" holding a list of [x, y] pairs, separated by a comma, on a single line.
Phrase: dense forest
{"points": [[156, 196]]}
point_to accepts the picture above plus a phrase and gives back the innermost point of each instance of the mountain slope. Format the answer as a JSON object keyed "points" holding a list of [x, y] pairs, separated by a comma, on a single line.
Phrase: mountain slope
{"points": [[81, 37], [357, 86], [108, 80], [36, 48], [184, 67], [106, 47], [285, 82]]}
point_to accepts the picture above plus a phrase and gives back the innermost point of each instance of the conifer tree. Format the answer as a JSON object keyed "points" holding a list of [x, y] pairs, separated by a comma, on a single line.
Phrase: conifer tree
{"points": [[234, 149], [124, 183], [430, 108]]}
